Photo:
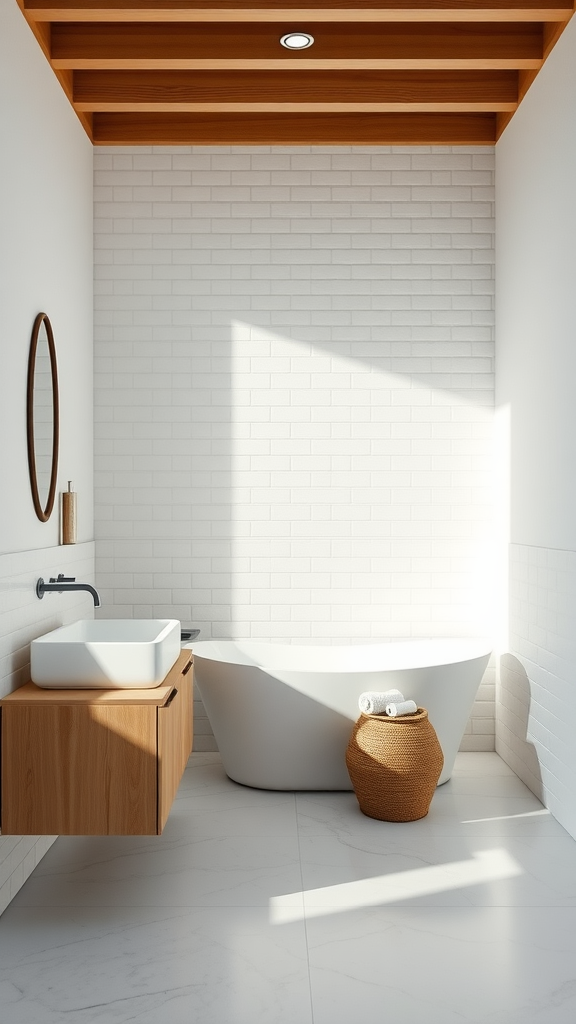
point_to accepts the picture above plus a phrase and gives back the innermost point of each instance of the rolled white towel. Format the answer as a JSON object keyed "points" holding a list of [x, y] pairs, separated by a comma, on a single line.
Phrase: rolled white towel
{"points": [[373, 702], [405, 707]]}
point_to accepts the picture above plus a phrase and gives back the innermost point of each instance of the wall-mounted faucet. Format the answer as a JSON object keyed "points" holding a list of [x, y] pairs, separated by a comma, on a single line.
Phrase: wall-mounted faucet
{"points": [[65, 583]]}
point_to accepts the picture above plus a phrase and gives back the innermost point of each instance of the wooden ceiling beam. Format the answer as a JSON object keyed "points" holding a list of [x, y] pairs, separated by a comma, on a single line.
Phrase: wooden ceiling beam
{"points": [[212, 72], [419, 106], [337, 47], [552, 33], [282, 91], [391, 64], [390, 11], [295, 129]]}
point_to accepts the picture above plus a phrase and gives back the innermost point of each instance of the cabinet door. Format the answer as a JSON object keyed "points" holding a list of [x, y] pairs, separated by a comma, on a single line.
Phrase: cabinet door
{"points": [[174, 742], [78, 770]]}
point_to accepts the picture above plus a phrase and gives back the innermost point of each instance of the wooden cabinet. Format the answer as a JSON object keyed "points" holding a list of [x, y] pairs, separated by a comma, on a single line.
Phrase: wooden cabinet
{"points": [[95, 762]]}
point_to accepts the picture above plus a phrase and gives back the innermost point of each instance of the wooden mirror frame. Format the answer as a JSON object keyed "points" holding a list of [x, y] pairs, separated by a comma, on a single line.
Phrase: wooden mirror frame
{"points": [[42, 513]]}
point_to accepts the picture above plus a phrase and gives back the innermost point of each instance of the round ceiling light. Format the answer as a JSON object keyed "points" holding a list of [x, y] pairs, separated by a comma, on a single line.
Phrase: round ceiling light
{"points": [[297, 40]]}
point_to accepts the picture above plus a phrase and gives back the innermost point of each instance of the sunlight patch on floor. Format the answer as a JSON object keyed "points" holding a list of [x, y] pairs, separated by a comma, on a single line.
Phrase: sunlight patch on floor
{"points": [[486, 866]]}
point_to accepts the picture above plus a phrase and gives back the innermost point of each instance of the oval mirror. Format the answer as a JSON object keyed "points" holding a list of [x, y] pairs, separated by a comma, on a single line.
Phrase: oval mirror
{"points": [[42, 417]]}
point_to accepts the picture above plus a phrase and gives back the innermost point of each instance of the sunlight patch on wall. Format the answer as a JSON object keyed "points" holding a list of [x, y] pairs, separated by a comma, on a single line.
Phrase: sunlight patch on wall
{"points": [[361, 492]]}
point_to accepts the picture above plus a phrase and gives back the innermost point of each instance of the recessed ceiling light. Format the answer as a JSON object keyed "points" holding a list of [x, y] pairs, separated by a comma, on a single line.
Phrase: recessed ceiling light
{"points": [[297, 40]]}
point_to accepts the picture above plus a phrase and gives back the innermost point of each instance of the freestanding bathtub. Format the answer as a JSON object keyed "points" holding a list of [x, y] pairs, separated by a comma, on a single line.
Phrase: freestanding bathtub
{"points": [[282, 714]]}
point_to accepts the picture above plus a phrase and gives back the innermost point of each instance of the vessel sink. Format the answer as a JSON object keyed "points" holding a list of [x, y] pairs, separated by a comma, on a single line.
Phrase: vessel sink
{"points": [[106, 654]]}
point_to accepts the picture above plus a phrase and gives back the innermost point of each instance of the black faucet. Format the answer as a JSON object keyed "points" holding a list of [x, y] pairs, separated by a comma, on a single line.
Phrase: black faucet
{"points": [[65, 583]]}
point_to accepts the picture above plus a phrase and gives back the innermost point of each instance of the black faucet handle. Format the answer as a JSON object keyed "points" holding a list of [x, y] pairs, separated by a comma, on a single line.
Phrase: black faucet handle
{"points": [[64, 579]]}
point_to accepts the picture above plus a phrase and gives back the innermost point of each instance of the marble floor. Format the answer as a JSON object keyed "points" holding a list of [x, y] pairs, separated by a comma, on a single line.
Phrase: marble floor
{"points": [[282, 908]]}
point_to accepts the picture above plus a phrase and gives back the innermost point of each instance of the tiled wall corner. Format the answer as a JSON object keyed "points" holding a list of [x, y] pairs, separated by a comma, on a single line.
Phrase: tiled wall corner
{"points": [[294, 392], [204, 739], [19, 855], [479, 733], [22, 618]]}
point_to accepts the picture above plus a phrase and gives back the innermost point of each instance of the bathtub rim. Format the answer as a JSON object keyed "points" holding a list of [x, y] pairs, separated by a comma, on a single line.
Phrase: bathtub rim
{"points": [[343, 658]]}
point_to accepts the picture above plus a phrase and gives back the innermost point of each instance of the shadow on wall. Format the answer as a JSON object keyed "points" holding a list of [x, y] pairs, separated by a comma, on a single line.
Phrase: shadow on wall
{"points": [[512, 717]]}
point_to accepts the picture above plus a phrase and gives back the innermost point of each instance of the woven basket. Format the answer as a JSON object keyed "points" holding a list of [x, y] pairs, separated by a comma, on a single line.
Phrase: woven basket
{"points": [[394, 765]]}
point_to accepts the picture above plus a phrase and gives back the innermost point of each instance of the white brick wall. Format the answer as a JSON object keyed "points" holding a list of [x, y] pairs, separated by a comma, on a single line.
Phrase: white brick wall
{"points": [[294, 392], [22, 618], [536, 694]]}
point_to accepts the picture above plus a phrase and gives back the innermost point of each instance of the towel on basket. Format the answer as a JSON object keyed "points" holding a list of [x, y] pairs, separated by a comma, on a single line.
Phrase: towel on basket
{"points": [[403, 707], [373, 702]]}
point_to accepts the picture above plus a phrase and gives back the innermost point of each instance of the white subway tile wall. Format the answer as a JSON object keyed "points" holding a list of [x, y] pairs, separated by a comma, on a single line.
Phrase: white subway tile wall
{"points": [[22, 618], [536, 695], [294, 393]]}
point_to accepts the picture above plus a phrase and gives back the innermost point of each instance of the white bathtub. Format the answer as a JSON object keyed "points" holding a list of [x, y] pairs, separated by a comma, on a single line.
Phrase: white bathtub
{"points": [[282, 714]]}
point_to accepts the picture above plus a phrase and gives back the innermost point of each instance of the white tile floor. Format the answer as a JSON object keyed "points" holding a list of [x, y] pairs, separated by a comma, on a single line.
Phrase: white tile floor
{"points": [[282, 908]]}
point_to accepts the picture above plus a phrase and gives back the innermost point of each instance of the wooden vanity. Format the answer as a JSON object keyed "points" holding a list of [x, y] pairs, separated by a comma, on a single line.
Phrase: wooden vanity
{"points": [[94, 762]]}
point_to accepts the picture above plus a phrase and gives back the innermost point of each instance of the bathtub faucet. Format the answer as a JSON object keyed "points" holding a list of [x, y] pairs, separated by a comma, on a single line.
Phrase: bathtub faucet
{"points": [[65, 583]]}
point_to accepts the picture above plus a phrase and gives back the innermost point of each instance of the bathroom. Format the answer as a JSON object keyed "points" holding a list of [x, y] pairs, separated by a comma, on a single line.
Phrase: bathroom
{"points": [[297, 434]]}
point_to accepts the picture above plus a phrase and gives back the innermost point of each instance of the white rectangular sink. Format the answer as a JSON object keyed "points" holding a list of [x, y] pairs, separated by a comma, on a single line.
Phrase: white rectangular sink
{"points": [[106, 654]]}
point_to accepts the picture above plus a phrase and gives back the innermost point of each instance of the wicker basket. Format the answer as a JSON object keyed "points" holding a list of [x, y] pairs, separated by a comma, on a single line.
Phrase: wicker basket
{"points": [[394, 765]]}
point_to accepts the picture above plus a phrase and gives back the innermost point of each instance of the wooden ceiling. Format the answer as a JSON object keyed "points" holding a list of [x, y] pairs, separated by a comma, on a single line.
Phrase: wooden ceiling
{"points": [[213, 72]]}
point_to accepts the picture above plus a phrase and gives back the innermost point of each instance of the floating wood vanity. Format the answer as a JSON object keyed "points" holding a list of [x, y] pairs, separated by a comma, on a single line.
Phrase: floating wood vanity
{"points": [[95, 762]]}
